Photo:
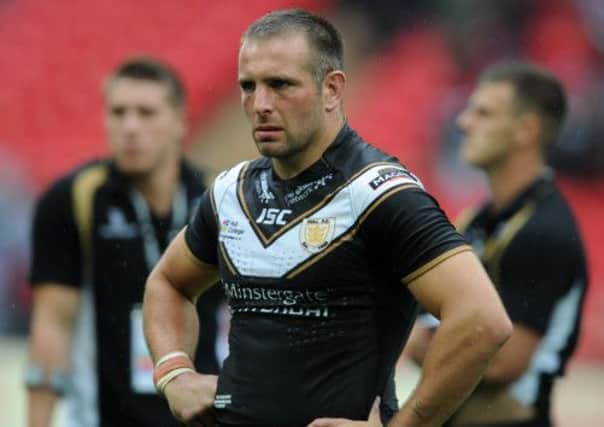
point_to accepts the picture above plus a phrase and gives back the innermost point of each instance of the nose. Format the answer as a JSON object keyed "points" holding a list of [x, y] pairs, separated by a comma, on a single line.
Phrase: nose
{"points": [[262, 100], [463, 120], [131, 121]]}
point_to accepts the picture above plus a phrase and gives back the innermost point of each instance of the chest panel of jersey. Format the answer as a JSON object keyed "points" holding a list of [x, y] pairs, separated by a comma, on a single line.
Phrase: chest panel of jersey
{"points": [[251, 251]]}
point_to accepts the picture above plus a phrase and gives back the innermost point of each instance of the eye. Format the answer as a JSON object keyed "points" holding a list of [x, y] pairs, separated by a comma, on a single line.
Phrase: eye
{"points": [[146, 111], [117, 111], [247, 86], [482, 112], [279, 83]]}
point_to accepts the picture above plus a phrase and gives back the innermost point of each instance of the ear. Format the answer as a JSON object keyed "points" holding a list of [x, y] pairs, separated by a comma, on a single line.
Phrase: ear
{"points": [[530, 129], [181, 117], [333, 90]]}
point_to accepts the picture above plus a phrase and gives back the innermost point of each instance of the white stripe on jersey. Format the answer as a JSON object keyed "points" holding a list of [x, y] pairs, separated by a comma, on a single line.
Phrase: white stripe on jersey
{"points": [[245, 249], [547, 357]]}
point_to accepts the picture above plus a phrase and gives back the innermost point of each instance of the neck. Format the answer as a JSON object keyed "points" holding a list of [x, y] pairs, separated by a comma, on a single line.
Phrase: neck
{"points": [[289, 167], [158, 187], [508, 181]]}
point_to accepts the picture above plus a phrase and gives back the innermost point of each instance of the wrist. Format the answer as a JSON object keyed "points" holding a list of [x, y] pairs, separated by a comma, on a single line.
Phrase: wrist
{"points": [[54, 380], [169, 367]]}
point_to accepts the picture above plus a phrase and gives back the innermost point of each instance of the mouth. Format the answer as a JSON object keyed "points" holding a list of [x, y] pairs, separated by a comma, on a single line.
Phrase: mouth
{"points": [[266, 133]]}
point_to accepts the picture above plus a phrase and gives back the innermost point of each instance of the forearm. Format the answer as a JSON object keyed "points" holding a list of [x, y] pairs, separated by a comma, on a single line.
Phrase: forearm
{"points": [[41, 404], [170, 320], [52, 324], [454, 363]]}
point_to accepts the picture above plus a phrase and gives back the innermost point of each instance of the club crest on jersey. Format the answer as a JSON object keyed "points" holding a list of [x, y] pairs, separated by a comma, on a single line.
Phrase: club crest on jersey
{"points": [[317, 233]]}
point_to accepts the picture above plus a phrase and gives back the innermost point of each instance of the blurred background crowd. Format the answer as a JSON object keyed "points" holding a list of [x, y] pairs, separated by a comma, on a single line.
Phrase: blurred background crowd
{"points": [[411, 65]]}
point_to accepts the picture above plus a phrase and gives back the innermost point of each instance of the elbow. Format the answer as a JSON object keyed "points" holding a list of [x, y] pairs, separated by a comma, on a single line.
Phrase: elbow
{"points": [[498, 329]]}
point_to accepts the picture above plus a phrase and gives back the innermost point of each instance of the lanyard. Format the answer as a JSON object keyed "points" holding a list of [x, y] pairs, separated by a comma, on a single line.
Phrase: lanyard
{"points": [[143, 216]]}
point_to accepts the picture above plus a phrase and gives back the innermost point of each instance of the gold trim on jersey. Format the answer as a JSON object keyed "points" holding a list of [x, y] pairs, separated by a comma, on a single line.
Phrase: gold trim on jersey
{"points": [[494, 247], [348, 235], [268, 240], [225, 256], [85, 185], [431, 264], [213, 205]]}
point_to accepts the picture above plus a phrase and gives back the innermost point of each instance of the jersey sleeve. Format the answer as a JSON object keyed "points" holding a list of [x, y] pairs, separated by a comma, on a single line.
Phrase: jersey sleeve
{"points": [[411, 233], [202, 233], [537, 273], [56, 254]]}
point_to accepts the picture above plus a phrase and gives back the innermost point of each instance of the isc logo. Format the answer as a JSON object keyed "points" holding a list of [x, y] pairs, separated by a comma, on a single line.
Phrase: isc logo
{"points": [[272, 216]]}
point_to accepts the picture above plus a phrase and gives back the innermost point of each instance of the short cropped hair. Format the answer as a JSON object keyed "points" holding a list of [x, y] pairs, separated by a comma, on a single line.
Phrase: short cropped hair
{"points": [[145, 68], [324, 39], [536, 90]]}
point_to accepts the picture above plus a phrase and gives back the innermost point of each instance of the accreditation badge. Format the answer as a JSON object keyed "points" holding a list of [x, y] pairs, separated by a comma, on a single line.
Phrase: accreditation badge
{"points": [[141, 364]]}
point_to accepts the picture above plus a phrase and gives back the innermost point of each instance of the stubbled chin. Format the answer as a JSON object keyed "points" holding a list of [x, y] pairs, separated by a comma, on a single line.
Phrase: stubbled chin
{"points": [[132, 166], [270, 149]]}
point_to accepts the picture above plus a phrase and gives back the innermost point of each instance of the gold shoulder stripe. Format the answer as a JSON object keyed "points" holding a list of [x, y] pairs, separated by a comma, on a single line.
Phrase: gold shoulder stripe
{"points": [[84, 188], [431, 264]]}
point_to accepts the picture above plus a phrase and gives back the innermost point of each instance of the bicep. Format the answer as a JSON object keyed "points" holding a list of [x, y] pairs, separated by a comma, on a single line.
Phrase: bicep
{"points": [[56, 252], [183, 270], [456, 283]]}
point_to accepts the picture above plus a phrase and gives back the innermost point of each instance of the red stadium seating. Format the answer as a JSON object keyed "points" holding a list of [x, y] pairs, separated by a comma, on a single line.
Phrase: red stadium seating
{"points": [[54, 55]]}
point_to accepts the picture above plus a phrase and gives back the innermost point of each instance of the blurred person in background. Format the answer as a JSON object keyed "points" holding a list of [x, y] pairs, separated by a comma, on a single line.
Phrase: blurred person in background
{"points": [[97, 233], [528, 241], [15, 210], [324, 246]]}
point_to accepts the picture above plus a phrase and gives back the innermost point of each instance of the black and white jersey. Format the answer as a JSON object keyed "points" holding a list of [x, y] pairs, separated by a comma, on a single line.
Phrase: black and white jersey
{"points": [[533, 252], [109, 262], [314, 269]]}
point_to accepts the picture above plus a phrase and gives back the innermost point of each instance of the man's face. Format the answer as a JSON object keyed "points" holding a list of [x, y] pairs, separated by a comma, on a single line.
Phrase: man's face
{"points": [[143, 127], [279, 95], [489, 123]]}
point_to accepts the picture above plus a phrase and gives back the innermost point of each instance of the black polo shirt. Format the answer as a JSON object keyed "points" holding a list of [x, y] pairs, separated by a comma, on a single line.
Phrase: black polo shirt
{"points": [[533, 252], [111, 372]]}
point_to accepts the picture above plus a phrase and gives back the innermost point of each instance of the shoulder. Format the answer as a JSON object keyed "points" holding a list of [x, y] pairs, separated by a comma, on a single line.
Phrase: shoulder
{"points": [[193, 178], [379, 182], [553, 221], [228, 179], [551, 235], [372, 175], [80, 179], [352, 155]]}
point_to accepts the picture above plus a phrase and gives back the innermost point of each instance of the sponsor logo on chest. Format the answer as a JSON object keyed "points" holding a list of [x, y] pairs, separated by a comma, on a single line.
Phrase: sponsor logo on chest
{"points": [[230, 229], [117, 227], [303, 191], [273, 216], [390, 174], [263, 192]]}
